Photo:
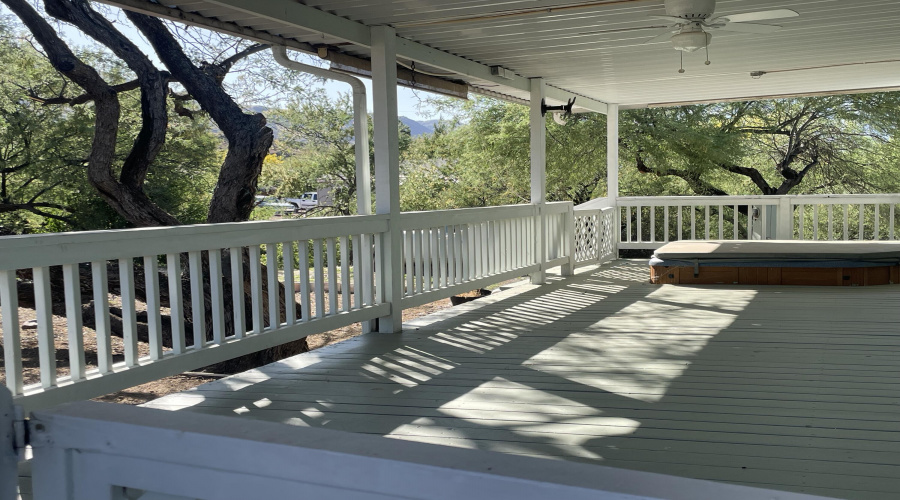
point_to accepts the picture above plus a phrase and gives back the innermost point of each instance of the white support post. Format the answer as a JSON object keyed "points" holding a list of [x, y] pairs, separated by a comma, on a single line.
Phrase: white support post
{"points": [[387, 171], [539, 176], [612, 168], [784, 228]]}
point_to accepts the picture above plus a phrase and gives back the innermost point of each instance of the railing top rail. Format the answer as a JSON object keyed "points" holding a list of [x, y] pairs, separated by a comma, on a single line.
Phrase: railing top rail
{"points": [[760, 199], [423, 220], [20, 252], [696, 200]]}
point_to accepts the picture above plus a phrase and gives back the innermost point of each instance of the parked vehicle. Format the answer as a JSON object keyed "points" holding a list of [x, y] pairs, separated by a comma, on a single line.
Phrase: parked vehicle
{"points": [[306, 201], [279, 204]]}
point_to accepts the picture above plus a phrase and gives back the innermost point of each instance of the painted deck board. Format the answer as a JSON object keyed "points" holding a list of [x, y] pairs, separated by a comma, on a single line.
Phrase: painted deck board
{"points": [[792, 388]]}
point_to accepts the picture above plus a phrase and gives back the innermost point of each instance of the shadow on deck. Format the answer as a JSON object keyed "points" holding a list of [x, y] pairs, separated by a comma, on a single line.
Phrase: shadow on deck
{"points": [[789, 388]]}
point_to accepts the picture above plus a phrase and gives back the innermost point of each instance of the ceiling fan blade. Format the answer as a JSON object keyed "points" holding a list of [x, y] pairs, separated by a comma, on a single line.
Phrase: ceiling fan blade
{"points": [[748, 28], [671, 19], [762, 15], [662, 37]]}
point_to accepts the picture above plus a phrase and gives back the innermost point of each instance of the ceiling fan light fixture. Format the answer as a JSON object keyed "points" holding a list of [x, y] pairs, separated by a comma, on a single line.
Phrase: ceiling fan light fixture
{"points": [[691, 41]]}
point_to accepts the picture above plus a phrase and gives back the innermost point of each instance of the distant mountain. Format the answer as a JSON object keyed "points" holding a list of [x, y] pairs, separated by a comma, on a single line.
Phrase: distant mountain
{"points": [[418, 128]]}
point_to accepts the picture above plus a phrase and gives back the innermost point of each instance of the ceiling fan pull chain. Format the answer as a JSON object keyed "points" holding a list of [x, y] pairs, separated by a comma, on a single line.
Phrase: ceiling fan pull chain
{"points": [[707, 56], [682, 62]]}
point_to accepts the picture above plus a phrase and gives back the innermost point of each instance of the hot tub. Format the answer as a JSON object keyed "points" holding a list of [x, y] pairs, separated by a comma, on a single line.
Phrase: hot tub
{"points": [[775, 262]]}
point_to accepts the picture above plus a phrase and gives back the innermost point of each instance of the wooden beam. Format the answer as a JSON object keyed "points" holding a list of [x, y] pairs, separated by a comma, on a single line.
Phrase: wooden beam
{"points": [[310, 18]]}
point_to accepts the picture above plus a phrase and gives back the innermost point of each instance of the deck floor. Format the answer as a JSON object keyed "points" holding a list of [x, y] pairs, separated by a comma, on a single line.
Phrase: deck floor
{"points": [[791, 388]]}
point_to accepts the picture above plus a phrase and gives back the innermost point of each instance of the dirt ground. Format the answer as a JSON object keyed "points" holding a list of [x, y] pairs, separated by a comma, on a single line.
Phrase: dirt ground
{"points": [[152, 390]]}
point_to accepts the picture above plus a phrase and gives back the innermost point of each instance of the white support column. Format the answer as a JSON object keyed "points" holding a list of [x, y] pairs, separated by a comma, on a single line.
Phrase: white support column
{"points": [[539, 175], [612, 153], [387, 170], [612, 170]]}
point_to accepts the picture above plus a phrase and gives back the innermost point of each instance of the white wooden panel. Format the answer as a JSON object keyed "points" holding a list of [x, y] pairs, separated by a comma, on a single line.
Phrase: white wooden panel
{"points": [[303, 251], [290, 302], [129, 315], [319, 278], [198, 300], [12, 345], [237, 291], [256, 288], [345, 273], [217, 302], [273, 285], [176, 308], [72, 284], [332, 277], [44, 313], [100, 283], [154, 322]]}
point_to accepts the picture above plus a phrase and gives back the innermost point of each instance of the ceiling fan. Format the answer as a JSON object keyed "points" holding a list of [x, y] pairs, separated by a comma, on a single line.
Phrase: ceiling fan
{"points": [[693, 21]]}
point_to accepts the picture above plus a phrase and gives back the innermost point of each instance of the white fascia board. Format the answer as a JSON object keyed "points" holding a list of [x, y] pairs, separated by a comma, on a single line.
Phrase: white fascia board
{"points": [[314, 19]]}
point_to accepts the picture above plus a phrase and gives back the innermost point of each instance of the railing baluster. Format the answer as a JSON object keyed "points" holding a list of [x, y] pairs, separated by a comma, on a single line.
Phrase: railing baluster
{"points": [[639, 214], [290, 302], [693, 214], [706, 220], [628, 224], [379, 270], [862, 222], [891, 223], [303, 267], [154, 324], [272, 285], [441, 272], [44, 312], [345, 273], [198, 313], [764, 218], [176, 313], [451, 255], [877, 222], [736, 225], [367, 279], [12, 342], [815, 222], [846, 209], [332, 277], [680, 223], [802, 222], [431, 272], [72, 290], [129, 315], [100, 284], [653, 223], [256, 289], [666, 223], [216, 302], [466, 244], [458, 240], [418, 261], [237, 291], [721, 222], [408, 263], [830, 222], [319, 278]]}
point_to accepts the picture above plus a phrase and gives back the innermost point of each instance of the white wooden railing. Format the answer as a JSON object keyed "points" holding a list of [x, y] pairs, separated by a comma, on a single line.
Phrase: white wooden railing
{"points": [[444, 253], [649, 222], [595, 236], [453, 251], [214, 255]]}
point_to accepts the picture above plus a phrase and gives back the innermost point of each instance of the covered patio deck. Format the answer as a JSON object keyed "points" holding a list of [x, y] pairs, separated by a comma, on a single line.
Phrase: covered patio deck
{"points": [[787, 388]]}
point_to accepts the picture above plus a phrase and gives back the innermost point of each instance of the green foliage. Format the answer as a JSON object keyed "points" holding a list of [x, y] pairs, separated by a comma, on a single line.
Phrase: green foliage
{"points": [[45, 148], [315, 148]]}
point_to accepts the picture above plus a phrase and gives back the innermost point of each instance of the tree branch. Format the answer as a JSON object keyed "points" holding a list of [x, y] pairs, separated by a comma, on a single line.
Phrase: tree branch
{"points": [[754, 176]]}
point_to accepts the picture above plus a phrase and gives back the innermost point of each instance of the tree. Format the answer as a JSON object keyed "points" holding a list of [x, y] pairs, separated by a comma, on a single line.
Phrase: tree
{"points": [[45, 145], [123, 186], [316, 148], [766, 147]]}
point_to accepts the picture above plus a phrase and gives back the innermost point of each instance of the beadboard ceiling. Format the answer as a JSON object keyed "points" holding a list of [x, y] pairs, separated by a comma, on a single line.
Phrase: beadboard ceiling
{"points": [[597, 49]]}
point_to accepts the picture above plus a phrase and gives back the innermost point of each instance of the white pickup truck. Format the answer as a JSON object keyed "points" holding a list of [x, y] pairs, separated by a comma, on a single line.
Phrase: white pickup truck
{"points": [[305, 202]]}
